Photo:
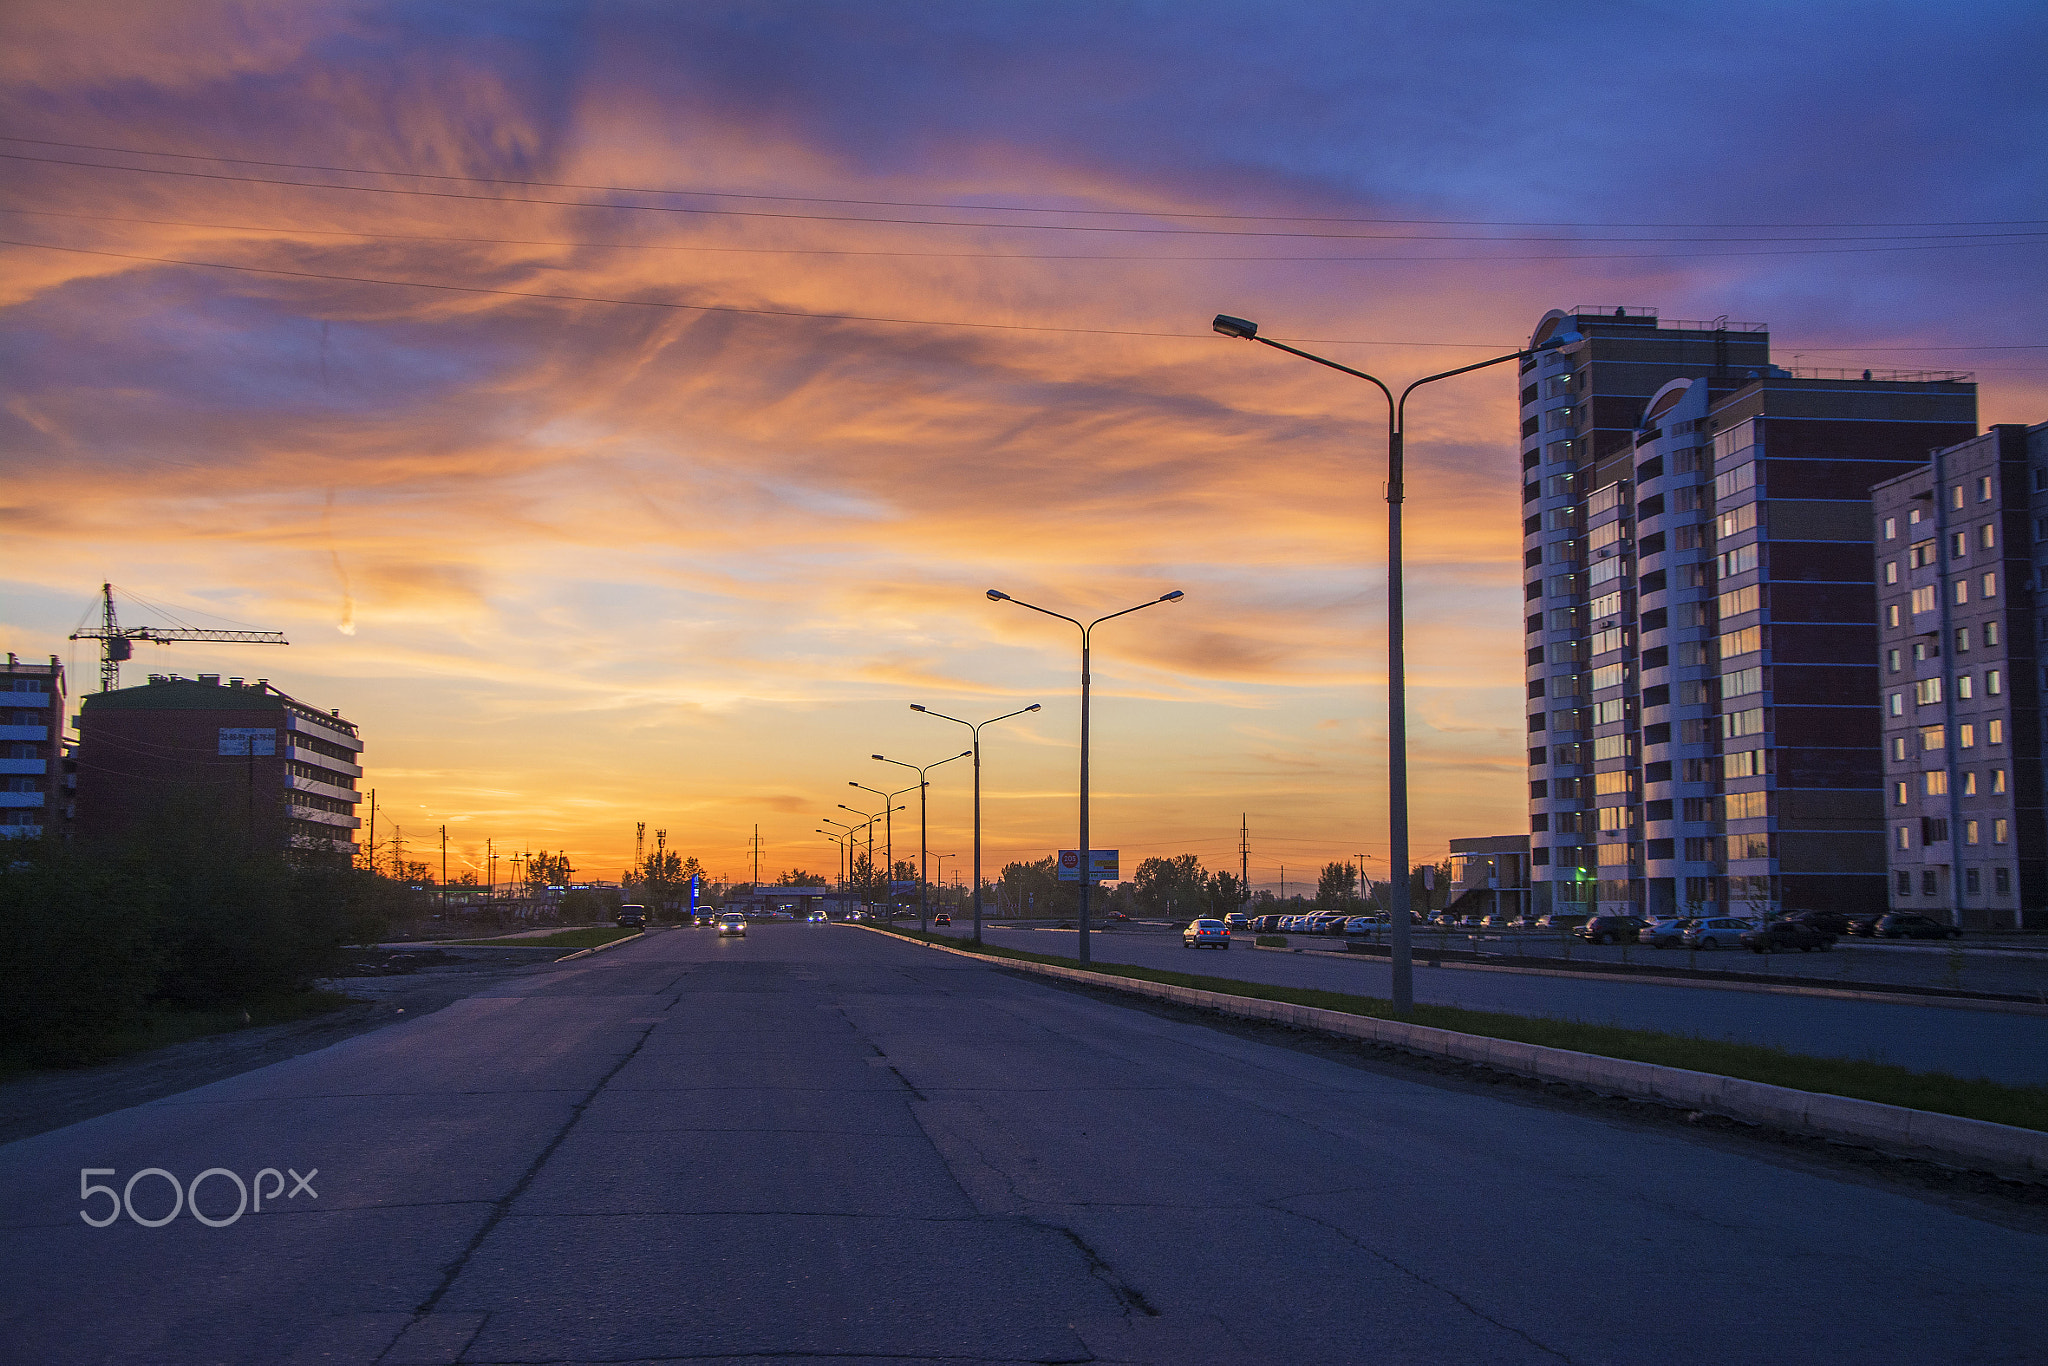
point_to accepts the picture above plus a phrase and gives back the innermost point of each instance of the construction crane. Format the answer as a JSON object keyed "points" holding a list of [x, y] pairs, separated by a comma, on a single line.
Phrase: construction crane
{"points": [[117, 641]]}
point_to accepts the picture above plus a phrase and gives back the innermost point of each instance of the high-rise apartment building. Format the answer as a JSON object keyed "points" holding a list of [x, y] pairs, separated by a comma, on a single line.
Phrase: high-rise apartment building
{"points": [[33, 798], [234, 751], [1703, 717], [1957, 540]]}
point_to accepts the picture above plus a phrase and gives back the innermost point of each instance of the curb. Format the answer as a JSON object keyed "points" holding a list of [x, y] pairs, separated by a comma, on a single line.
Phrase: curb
{"points": [[584, 953], [1762, 988], [1865, 1121]]}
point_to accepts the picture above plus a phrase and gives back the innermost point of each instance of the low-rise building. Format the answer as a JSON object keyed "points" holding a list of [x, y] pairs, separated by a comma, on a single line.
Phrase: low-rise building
{"points": [[33, 794], [234, 750], [1490, 876]]}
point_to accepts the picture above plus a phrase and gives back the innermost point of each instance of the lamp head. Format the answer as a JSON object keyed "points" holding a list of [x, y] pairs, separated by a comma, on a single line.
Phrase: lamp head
{"points": [[1243, 328], [877, 756], [851, 783], [915, 707], [995, 595], [1175, 596], [1034, 707]]}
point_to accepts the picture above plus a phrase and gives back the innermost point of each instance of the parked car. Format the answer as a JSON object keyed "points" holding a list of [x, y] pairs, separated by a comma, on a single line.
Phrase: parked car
{"points": [[1563, 920], [1502, 921], [732, 924], [1782, 936], [943, 918], [633, 916], [1238, 920], [1827, 922], [1862, 923], [1205, 934], [1913, 925], [1665, 932], [1611, 929], [1715, 932], [1363, 924]]}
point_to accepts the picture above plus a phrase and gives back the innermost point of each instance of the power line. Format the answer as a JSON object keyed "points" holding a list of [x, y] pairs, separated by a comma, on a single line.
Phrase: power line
{"points": [[940, 222], [832, 317], [982, 208], [1011, 255]]}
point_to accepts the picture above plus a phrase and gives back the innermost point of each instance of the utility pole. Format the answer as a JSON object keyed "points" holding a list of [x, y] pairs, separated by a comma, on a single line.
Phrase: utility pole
{"points": [[639, 846], [373, 829], [490, 869], [444, 867], [757, 855], [1244, 855], [1283, 884]]}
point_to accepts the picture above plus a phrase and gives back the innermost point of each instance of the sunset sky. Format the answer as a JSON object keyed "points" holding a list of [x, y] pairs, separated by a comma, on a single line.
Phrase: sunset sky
{"points": [[624, 407]]}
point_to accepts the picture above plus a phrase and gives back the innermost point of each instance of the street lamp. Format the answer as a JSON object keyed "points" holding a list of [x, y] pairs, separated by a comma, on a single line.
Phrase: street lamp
{"points": [[940, 881], [888, 834], [1397, 671], [924, 848], [975, 728], [842, 855], [1087, 862], [869, 826]]}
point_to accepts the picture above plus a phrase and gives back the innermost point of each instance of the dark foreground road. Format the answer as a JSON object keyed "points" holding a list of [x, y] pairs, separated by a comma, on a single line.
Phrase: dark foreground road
{"points": [[819, 1144]]}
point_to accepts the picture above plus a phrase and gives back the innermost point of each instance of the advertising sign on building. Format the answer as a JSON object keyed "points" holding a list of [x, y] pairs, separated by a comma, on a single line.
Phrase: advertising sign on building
{"points": [[248, 740], [1103, 865]]}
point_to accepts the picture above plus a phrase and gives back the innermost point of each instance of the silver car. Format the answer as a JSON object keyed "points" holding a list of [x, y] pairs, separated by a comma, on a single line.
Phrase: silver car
{"points": [[1715, 932]]}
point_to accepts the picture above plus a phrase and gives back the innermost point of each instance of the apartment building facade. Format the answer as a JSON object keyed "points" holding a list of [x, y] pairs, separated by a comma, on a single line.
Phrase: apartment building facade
{"points": [[1958, 540], [34, 797], [232, 750], [1702, 707]]}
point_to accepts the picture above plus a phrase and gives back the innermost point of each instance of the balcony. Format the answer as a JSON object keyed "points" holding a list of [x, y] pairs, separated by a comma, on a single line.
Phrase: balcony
{"points": [[20, 799], [38, 733], [319, 789], [24, 766]]}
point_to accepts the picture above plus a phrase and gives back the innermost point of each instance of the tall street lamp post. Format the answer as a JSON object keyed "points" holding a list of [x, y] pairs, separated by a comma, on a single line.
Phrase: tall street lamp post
{"points": [[842, 855], [924, 848], [1087, 631], [974, 727], [888, 836], [869, 826], [1397, 674]]}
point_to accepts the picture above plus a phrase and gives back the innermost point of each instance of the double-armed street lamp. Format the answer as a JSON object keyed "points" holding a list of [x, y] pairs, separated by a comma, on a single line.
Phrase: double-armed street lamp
{"points": [[841, 842], [1397, 672], [1087, 631], [974, 727], [924, 848], [869, 825], [888, 836]]}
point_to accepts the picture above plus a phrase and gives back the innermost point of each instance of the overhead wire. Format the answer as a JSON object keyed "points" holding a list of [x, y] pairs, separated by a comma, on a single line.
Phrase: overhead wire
{"points": [[988, 208]]}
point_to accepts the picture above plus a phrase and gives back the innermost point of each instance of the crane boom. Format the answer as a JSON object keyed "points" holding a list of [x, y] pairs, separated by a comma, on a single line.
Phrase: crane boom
{"points": [[116, 639]]}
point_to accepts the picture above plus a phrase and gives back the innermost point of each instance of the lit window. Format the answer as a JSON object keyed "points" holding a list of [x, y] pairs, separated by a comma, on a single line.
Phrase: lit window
{"points": [[1962, 640], [1994, 732], [1891, 571], [1923, 601], [1987, 535], [1913, 517], [1984, 489], [1966, 736], [1997, 781], [1891, 615], [1970, 783], [1898, 704], [1899, 749], [1927, 692], [1900, 795], [1963, 688], [1891, 528], [1893, 659], [1969, 832], [1990, 634], [1962, 591], [1990, 586], [1933, 737], [1905, 840], [2001, 831], [1958, 544], [1955, 496], [1934, 782]]}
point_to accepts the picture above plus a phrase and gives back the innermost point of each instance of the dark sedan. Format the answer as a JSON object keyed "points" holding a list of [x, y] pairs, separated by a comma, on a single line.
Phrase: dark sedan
{"points": [[1783, 936], [1611, 929], [1913, 925]]}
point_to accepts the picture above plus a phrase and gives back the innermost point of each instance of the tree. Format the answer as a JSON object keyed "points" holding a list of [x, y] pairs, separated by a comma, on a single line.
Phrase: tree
{"points": [[1226, 893], [797, 877], [545, 870], [1336, 886], [1177, 887], [1035, 889]]}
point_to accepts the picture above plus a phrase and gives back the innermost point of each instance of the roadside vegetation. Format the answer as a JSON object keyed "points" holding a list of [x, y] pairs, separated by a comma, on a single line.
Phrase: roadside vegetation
{"points": [[2023, 1106], [176, 933]]}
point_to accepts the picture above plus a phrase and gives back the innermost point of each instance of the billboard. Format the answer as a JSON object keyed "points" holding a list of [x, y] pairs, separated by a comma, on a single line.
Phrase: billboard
{"points": [[248, 740], [1103, 865], [899, 886]]}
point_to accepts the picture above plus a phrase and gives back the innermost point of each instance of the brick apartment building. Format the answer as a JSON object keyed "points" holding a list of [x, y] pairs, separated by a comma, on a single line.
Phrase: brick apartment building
{"points": [[1958, 540], [34, 798], [238, 749], [1702, 699]]}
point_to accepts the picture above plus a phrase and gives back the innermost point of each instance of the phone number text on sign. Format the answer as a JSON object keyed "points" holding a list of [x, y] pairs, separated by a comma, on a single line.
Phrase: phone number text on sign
{"points": [[185, 1197]]}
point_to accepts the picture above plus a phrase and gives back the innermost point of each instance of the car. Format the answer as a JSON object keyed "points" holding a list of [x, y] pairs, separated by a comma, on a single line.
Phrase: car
{"points": [[1363, 924], [704, 918], [817, 917], [1862, 923], [1120, 917], [1205, 934], [732, 923], [1561, 920], [1913, 925], [1238, 920], [1827, 922], [1716, 932], [1500, 920], [635, 916], [1665, 932], [1783, 935], [1611, 929], [943, 918]]}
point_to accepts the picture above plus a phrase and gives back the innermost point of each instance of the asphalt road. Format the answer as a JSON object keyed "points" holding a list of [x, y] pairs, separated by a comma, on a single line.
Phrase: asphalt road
{"points": [[819, 1143], [2005, 1047]]}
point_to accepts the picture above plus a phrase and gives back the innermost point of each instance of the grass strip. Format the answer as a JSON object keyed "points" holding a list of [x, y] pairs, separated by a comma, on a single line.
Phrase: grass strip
{"points": [[2025, 1107], [158, 1028], [565, 939]]}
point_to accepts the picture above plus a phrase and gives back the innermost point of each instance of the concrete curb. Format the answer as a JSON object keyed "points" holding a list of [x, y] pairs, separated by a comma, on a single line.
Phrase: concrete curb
{"points": [[1708, 984], [584, 953], [1866, 1121]]}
